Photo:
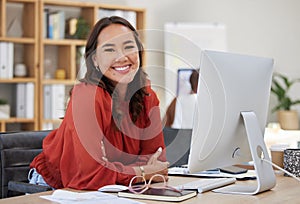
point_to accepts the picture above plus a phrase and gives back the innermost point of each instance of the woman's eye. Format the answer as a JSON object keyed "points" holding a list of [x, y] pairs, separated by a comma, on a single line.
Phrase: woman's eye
{"points": [[129, 47], [109, 50]]}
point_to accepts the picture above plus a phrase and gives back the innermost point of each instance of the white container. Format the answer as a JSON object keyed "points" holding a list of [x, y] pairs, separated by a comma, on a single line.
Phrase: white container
{"points": [[20, 70], [4, 111]]}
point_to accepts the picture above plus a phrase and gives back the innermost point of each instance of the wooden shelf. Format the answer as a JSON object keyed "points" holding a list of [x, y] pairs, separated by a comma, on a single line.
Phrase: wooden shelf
{"points": [[21, 1], [64, 42], [18, 40], [56, 81], [18, 80], [18, 120], [68, 3]]}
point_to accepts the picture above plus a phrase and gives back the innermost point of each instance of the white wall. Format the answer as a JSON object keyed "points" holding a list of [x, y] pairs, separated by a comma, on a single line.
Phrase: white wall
{"points": [[268, 28]]}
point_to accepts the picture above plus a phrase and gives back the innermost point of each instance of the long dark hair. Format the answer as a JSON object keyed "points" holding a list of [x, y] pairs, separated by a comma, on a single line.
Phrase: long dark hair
{"points": [[136, 89]]}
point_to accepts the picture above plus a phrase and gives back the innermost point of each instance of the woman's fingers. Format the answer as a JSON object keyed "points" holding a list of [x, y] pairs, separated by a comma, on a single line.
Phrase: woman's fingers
{"points": [[155, 156], [157, 168]]}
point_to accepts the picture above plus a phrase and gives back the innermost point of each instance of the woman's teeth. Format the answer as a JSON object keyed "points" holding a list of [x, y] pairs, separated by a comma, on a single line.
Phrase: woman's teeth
{"points": [[121, 68]]}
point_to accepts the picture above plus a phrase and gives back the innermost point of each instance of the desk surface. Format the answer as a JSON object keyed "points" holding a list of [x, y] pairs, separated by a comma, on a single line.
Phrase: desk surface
{"points": [[286, 191]]}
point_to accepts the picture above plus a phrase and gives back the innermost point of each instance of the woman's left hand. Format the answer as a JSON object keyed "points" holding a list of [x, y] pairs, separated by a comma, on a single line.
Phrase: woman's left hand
{"points": [[154, 158]]}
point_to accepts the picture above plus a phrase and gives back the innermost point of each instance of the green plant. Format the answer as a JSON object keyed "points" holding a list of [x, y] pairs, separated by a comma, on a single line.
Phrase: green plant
{"points": [[3, 101], [82, 29], [280, 87]]}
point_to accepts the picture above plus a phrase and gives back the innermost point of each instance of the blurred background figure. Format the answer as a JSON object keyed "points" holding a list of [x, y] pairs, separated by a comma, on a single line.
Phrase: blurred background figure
{"points": [[181, 110]]}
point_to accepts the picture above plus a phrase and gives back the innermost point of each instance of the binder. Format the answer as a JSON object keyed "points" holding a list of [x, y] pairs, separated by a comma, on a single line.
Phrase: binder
{"points": [[10, 60], [29, 102], [20, 103], [58, 101], [3, 60], [47, 102], [46, 23]]}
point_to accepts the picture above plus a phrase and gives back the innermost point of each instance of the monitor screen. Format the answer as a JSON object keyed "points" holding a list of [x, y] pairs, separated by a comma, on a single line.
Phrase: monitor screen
{"points": [[229, 84]]}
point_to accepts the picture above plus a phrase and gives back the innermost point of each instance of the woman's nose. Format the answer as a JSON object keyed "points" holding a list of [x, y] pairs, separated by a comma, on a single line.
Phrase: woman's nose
{"points": [[121, 56]]}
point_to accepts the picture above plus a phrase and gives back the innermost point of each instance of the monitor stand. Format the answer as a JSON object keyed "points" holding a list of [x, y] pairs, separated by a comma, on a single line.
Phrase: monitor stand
{"points": [[264, 171]]}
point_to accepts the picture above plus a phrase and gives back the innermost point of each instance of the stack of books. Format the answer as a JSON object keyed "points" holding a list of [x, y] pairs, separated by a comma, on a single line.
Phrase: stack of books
{"points": [[54, 24]]}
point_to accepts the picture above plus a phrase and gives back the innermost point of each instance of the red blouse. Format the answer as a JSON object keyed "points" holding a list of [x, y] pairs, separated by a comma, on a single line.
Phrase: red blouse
{"points": [[73, 154]]}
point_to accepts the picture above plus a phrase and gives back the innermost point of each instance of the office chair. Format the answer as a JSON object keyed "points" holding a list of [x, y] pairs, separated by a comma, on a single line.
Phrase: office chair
{"points": [[177, 142], [17, 150]]}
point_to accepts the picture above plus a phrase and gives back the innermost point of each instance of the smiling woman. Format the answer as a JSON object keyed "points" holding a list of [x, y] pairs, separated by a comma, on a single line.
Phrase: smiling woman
{"points": [[112, 130], [117, 54]]}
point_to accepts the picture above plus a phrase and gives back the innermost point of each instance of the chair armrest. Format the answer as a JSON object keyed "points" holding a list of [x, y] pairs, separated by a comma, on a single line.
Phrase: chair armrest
{"points": [[23, 187]]}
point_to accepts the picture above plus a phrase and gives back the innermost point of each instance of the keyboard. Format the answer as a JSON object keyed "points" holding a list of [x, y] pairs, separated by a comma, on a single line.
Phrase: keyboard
{"points": [[177, 171], [212, 173], [203, 185]]}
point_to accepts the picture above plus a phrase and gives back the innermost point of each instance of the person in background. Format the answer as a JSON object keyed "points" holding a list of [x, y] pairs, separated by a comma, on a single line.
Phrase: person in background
{"points": [[180, 112], [112, 130]]}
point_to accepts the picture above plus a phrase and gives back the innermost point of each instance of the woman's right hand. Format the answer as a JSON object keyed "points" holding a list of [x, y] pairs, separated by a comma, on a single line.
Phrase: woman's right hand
{"points": [[157, 167]]}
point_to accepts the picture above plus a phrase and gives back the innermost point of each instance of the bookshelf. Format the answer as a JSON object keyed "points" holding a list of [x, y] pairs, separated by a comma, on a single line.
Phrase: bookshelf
{"points": [[14, 17], [44, 55]]}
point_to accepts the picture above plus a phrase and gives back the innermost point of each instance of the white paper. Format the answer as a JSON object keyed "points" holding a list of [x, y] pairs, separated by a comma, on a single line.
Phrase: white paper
{"points": [[112, 188], [93, 197]]}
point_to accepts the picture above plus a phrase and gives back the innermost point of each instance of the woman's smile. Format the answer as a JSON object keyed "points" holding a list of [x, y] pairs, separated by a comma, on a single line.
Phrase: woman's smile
{"points": [[122, 69]]}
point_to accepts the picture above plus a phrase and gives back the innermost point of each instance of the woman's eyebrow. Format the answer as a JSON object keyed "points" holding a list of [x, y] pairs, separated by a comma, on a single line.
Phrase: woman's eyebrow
{"points": [[111, 44], [108, 45], [128, 41]]}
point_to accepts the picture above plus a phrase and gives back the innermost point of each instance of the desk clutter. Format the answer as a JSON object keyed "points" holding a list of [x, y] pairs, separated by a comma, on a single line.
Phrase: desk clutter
{"points": [[178, 193], [287, 158], [286, 191], [284, 147], [291, 161]]}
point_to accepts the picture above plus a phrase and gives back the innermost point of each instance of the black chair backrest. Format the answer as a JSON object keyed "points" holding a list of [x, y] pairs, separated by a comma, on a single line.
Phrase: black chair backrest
{"points": [[17, 150], [177, 142]]}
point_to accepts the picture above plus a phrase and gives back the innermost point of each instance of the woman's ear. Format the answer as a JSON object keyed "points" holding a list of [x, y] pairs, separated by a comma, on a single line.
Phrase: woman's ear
{"points": [[94, 60]]}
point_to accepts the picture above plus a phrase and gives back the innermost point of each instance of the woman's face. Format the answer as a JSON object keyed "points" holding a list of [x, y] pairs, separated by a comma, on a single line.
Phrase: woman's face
{"points": [[117, 53]]}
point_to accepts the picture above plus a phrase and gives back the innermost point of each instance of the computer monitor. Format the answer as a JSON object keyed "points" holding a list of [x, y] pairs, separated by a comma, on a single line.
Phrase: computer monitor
{"points": [[230, 118]]}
